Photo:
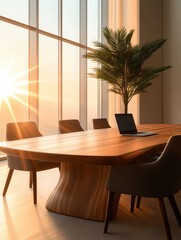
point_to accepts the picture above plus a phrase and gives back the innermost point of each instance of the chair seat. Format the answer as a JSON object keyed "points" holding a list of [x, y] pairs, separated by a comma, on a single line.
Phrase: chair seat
{"points": [[142, 180], [45, 165]]}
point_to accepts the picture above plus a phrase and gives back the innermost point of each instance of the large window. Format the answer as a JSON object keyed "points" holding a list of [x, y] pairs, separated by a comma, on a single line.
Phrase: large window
{"points": [[42, 43]]}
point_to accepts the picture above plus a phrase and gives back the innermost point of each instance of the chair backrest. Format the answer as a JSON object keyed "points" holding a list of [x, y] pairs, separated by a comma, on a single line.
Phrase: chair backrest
{"points": [[99, 123], [16, 131], [168, 167], [170, 159], [20, 130], [167, 174], [70, 125], [159, 178]]}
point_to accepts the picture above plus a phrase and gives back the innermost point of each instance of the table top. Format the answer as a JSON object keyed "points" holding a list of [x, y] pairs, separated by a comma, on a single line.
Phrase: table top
{"points": [[100, 147]]}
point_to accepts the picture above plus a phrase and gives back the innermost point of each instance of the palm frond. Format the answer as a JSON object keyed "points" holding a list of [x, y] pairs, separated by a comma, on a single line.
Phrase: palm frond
{"points": [[121, 64]]}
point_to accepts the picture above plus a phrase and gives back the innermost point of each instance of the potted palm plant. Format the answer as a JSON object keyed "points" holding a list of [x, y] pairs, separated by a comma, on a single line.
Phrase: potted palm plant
{"points": [[121, 64]]}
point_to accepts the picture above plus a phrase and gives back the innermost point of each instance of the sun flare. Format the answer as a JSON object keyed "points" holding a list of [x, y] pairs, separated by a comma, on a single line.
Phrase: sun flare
{"points": [[7, 85], [14, 86]]}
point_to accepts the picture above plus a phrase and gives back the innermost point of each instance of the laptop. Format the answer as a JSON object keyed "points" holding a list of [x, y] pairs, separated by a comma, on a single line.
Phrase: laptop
{"points": [[127, 126]]}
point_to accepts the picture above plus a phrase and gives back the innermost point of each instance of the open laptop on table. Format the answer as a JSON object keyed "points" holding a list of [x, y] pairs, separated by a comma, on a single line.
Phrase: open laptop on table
{"points": [[127, 126]]}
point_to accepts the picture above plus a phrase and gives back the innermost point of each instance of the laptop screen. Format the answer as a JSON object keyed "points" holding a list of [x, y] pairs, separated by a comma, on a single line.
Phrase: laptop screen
{"points": [[126, 123]]}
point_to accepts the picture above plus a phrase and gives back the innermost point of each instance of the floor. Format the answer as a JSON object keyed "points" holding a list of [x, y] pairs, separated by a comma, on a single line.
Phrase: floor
{"points": [[20, 219]]}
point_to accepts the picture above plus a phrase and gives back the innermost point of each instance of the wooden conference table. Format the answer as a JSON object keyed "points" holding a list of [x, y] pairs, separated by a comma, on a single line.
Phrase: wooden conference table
{"points": [[85, 159]]}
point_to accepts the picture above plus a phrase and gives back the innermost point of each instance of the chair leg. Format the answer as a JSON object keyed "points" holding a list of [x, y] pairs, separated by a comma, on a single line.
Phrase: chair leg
{"points": [[132, 203], [175, 209], [8, 181], [109, 210], [115, 205], [34, 179], [30, 180], [164, 218], [138, 202]]}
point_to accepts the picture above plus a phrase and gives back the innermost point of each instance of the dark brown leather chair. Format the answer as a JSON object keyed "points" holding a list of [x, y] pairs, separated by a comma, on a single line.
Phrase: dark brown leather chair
{"points": [[70, 125], [99, 123], [157, 179], [21, 130]]}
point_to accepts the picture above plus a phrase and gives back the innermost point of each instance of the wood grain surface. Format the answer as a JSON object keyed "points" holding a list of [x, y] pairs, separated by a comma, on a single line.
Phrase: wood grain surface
{"points": [[100, 147], [85, 159]]}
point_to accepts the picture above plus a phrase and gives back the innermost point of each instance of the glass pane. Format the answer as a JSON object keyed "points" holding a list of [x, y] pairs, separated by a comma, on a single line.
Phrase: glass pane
{"points": [[70, 81], [16, 10], [93, 85], [71, 19], [48, 16], [13, 75], [48, 85], [93, 21], [92, 95]]}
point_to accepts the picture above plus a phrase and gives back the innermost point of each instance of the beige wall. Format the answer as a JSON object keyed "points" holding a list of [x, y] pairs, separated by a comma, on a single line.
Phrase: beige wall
{"points": [[172, 55], [161, 18], [151, 29]]}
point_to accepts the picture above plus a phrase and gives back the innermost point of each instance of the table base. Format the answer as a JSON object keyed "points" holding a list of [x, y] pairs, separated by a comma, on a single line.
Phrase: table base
{"points": [[81, 192]]}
